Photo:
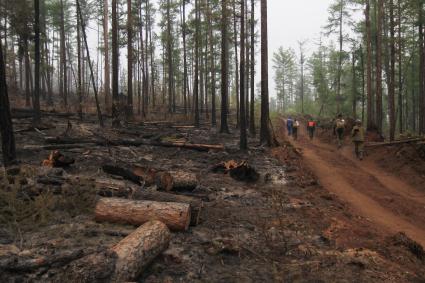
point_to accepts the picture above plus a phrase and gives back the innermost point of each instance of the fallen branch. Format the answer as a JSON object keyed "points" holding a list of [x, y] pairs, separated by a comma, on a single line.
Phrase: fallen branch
{"points": [[24, 264], [395, 142], [175, 215]]}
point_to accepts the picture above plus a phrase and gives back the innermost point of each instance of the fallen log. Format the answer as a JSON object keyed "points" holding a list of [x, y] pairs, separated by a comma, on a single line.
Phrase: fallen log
{"points": [[131, 142], [123, 262], [122, 172], [23, 113], [395, 142], [175, 215], [184, 181], [58, 146], [139, 249], [196, 205], [68, 140]]}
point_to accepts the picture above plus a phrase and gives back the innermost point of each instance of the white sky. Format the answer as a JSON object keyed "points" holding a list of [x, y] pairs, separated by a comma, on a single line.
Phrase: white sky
{"points": [[291, 21]]}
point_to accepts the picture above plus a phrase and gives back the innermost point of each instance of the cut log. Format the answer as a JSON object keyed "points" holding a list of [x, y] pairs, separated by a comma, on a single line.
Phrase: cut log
{"points": [[175, 215], [196, 205], [139, 249], [184, 181], [114, 188], [163, 180]]}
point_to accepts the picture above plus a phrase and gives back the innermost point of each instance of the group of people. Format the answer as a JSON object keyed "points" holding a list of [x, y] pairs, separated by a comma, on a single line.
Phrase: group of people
{"points": [[293, 125], [339, 128]]}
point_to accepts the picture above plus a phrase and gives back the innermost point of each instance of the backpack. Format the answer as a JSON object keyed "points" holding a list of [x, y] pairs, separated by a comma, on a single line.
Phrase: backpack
{"points": [[340, 124], [297, 124], [311, 124]]}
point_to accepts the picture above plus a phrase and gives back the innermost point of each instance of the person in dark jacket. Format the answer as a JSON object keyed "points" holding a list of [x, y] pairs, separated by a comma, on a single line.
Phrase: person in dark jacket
{"points": [[290, 126]]}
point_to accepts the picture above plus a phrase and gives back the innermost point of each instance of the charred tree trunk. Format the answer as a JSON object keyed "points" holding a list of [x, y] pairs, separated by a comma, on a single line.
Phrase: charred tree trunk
{"points": [[6, 126], [378, 104], [196, 83], [243, 138], [37, 77], [252, 130], [265, 136], [129, 61], [224, 127], [115, 67], [106, 83]]}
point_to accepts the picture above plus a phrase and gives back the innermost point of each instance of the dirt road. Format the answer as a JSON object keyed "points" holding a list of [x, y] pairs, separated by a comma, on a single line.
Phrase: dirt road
{"points": [[384, 199]]}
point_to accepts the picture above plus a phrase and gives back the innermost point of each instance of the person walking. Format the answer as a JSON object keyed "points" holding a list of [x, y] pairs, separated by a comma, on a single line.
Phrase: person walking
{"points": [[311, 128], [339, 129], [290, 126], [358, 137], [295, 129]]}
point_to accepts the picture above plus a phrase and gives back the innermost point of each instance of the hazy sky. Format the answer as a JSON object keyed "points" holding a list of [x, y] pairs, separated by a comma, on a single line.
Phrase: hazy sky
{"points": [[291, 21]]}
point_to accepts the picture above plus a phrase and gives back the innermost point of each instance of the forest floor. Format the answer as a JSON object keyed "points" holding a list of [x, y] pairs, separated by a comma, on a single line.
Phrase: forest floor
{"points": [[289, 226]]}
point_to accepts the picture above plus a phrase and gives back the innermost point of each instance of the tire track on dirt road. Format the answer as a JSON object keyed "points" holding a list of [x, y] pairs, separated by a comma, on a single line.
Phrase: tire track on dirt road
{"points": [[384, 199]]}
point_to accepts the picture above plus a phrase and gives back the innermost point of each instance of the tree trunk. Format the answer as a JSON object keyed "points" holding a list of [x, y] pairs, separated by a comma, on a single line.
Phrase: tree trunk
{"points": [[129, 61], [115, 67], [27, 75], [6, 126], [378, 104], [400, 70], [185, 80], [36, 105], [243, 139], [79, 86], [224, 127], [391, 87], [64, 81], [237, 90], [175, 215], [370, 118], [106, 83], [196, 83], [252, 130], [265, 136]]}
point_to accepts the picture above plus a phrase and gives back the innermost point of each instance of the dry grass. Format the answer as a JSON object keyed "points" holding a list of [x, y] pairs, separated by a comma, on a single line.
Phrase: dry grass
{"points": [[23, 209]]}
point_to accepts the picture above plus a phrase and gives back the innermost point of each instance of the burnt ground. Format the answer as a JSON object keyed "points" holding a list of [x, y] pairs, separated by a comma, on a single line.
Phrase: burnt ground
{"points": [[285, 227]]}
